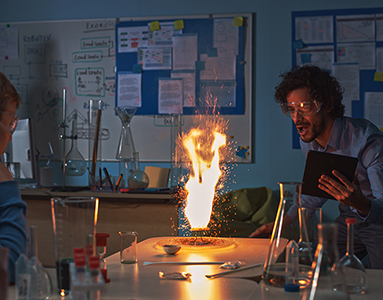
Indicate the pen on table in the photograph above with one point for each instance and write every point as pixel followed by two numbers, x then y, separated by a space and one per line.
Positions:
pixel 108 178
pixel 118 182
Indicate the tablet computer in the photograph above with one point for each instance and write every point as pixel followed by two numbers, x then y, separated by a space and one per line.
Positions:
pixel 318 163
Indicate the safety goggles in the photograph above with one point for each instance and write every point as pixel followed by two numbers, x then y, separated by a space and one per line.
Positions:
pixel 12 124
pixel 305 108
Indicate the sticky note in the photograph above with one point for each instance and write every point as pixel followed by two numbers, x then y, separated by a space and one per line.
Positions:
pixel 200 65
pixel 238 21
pixel 298 44
pixel 155 26
pixel 378 76
pixel 179 24
pixel 241 152
pixel 305 58
pixel 137 68
pixel 212 52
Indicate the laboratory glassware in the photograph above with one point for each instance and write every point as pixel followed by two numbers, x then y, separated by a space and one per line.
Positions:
pixel 304 245
pixel 137 179
pixel 75 164
pixel 126 147
pixel 74 221
pixel 328 282
pixel 274 268
pixel 128 247
pixel 32 280
pixel 292 267
pixel 101 243
pixel 356 277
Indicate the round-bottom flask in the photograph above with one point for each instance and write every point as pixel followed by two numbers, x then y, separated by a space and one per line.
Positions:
pixel 75 164
pixel 137 179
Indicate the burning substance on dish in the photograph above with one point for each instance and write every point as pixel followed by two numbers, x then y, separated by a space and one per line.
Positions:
pixel 204 148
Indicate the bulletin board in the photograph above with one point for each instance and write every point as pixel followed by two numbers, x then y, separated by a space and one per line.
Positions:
pixel 42 59
pixel 349 43
pixel 161 49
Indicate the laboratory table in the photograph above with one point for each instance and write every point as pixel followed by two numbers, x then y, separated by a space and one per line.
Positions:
pixel 139 281
pixel 150 214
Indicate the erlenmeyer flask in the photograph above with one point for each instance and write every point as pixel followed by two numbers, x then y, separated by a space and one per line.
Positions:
pixel 327 282
pixel 356 277
pixel 274 268
pixel 75 164
pixel 126 147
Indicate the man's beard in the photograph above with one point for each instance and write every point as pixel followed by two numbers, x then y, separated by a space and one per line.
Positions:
pixel 315 130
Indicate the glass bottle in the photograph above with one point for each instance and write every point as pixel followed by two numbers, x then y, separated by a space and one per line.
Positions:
pixel 327 281
pixel 75 164
pixel 274 268
pixel 356 277
pixel 40 285
pixel 137 179
pixel 126 147
pixel 22 277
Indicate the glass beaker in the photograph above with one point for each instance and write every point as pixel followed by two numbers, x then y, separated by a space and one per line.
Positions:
pixel 274 268
pixel 128 247
pixel 95 137
pixel 74 221
pixel 327 282
pixel 75 164
pixel 126 147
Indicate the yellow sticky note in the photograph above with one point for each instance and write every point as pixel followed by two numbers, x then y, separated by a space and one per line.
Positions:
pixel 179 24
pixel 155 26
pixel 238 21
pixel 378 76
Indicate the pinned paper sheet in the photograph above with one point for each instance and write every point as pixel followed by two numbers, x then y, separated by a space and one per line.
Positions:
pixel 238 21
pixel 155 26
pixel 378 76
pixel 179 24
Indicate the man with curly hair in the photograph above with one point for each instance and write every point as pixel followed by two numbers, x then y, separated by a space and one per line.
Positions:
pixel 313 99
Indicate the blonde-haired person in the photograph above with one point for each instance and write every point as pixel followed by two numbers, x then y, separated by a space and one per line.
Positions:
pixel 13 232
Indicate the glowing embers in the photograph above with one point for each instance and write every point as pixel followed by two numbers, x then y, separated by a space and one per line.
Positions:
pixel 197 243
pixel 203 149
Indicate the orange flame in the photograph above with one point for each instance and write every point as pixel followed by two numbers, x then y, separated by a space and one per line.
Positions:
pixel 204 176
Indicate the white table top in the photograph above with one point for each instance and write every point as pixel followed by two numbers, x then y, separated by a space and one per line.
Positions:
pixel 143 282
pixel 137 281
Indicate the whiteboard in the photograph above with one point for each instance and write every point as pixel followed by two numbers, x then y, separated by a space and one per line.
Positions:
pixel 79 56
